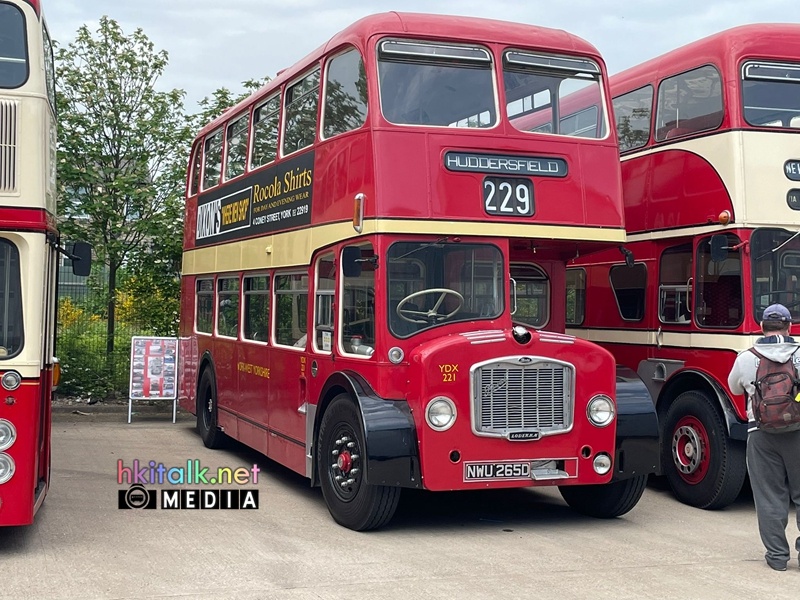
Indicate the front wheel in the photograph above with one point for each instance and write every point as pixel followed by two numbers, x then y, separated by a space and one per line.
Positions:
pixel 703 466
pixel 340 465
pixel 605 501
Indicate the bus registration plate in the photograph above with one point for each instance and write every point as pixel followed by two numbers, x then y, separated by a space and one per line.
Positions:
pixel 496 471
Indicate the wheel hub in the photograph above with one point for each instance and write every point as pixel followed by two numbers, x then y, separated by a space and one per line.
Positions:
pixel 687 449
pixel 345 469
pixel 344 462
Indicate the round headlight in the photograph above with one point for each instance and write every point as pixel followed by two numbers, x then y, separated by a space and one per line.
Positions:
pixel 11 380
pixel 8 434
pixel 600 410
pixel 602 464
pixel 441 413
pixel 6 467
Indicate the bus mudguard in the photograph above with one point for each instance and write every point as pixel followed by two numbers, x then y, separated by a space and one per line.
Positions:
pixel 637 449
pixel 388 428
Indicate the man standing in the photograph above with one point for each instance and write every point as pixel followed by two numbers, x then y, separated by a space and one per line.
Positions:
pixel 773 458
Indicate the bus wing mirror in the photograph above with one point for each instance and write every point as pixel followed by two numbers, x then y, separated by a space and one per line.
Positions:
pixel 351 261
pixel 81 259
pixel 719 248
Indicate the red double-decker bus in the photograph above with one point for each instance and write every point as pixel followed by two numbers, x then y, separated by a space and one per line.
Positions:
pixel 29 248
pixel 374 271
pixel 711 182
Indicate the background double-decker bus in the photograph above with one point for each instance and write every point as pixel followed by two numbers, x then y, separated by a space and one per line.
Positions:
pixel 28 258
pixel 374 271
pixel 710 157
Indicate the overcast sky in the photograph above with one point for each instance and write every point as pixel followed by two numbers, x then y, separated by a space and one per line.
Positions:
pixel 215 43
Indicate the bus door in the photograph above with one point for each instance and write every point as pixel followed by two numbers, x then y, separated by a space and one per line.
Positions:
pixel 288 366
pixel 673 325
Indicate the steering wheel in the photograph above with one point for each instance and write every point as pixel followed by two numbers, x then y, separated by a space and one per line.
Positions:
pixel 792 292
pixel 432 315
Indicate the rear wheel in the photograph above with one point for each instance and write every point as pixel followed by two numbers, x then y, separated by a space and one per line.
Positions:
pixel 605 501
pixel 340 465
pixel 704 467
pixel 207 423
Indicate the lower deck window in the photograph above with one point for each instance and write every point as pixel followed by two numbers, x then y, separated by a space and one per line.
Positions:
pixel 10 300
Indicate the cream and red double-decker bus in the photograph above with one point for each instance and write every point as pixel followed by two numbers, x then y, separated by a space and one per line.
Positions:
pixel 374 270
pixel 29 248
pixel 710 148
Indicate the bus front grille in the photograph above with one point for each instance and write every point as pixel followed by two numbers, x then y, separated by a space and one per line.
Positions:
pixel 8 146
pixel 519 394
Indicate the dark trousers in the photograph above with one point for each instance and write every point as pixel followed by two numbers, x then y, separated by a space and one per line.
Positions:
pixel 773 463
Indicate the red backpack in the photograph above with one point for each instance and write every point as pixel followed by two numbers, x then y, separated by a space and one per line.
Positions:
pixel 776 402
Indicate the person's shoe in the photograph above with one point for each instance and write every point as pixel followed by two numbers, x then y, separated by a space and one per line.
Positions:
pixel 778 567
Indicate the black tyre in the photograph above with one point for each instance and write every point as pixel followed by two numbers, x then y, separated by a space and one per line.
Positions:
pixel 340 465
pixel 207 424
pixel 605 501
pixel 703 466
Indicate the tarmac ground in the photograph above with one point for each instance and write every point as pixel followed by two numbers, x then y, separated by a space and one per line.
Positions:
pixel 522 543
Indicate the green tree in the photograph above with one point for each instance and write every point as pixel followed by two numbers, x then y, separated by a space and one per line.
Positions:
pixel 122 155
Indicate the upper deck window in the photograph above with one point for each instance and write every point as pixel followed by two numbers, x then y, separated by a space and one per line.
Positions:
pixel 236 157
pixel 301 102
pixel 265 132
pixel 554 94
pixel 771 94
pixel 13 49
pixel 425 83
pixel 632 112
pixel 10 301
pixel 688 103
pixel 212 161
pixel 345 94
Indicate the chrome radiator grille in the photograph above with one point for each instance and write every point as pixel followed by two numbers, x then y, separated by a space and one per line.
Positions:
pixel 516 394
pixel 8 146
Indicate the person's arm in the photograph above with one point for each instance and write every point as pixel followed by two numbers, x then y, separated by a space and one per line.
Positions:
pixel 735 376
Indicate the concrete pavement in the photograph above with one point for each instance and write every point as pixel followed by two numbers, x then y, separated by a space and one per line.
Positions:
pixel 506 544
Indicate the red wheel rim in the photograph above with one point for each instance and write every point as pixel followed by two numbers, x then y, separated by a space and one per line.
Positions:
pixel 691 449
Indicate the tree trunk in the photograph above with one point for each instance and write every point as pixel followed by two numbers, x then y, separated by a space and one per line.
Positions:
pixel 112 304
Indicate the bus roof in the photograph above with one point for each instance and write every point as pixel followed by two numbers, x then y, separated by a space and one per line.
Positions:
pixel 726 48
pixel 427 26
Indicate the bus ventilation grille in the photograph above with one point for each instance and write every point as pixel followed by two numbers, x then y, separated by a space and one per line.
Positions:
pixel 8 146
pixel 536 396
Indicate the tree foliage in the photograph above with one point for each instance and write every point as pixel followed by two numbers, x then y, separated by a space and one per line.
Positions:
pixel 122 153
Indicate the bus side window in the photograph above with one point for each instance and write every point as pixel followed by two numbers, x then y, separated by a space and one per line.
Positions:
pixel 345 106
pixel 197 169
pixel 212 159
pixel 228 315
pixel 358 306
pixel 291 308
pixel 323 307
pixel 256 308
pixel 236 157
pixel 265 132
pixel 629 284
pixel 204 311
pixel 675 285
pixel 576 296
pixel 301 113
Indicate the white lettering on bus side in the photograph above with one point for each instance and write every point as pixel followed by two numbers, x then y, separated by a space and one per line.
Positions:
pixel 209 219
pixel 502 164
